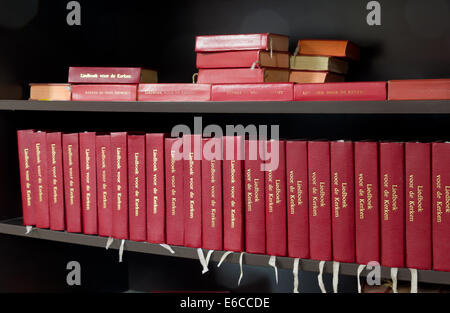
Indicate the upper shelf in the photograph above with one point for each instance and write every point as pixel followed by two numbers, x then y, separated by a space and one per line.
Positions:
pixel 287 107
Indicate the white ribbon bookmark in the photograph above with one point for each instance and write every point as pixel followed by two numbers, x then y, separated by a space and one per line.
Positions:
pixel 240 265
pixel 224 256
pixel 295 273
pixel 254 65
pixel 167 247
pixel 360 269
pixel 320 277
pixel 273 263
pixel 394 272
pixel 109 242
pixel 121 250
pixel 204 261
pixel 194 77
pixel 270 43
pixel 413 280
pixel 335 276
pixel 28 229
pixel 297 49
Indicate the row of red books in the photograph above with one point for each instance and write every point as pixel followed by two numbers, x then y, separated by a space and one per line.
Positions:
pixel 341 200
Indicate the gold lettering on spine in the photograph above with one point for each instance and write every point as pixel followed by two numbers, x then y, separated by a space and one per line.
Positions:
pixel 88 179
pixel 233 193
pixel 173 210
pixel 71 178
pixel 155 180
pixel 213 193
pixel 119 178
pixel 136 184
pixel 315 198
pixel 191 186
pixel 27 176
pixel 54 175
pixel 336 191
pixel 39 173
pixel 104 180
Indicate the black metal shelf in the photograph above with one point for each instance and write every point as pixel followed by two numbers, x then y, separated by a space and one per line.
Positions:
pixel 15 227
pixel 248 107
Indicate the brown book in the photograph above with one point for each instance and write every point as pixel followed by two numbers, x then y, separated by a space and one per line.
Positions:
pixel 304 77
pixel 51 92
pixel 334 48
pixel 318 63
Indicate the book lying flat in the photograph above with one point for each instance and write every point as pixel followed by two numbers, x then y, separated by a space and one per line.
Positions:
pixel 174 92
pixel 242 76
pixel 111 75
pixel 318 63
pixel 104 92
pixel 334 48
pixel 310 77
pixel 241 42
pixel 361 91
pixel 50 92
pixel 245 59
pixel 419 89
pixel 253 92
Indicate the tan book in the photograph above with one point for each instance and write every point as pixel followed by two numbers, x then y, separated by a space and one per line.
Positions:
pixel 305 77
pixel 318 63
pixel 50 92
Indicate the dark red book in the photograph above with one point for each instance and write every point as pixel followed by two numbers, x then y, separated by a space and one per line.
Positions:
pixel 418 205
pixel 242 76
pixel 419 89
pixel 212 222
pixel 255 209
pixel 56 181
pixel 349 91
pixel 241 42
pixel 275 182
pixel 392 171
pixel 24 145
pixel 111 75
pixel 297 199
pixel 342 201
pixel 104 92
pixel 192 173
pixel 367 214
pixel 72 192
pixel 253 92
pixel 320 245
pixel 441 205
pixel 88 175
pixel 174 92
pixel 119 161
pixel 242 59
pixel 233 205
pixel 104 185
pixel 136 188
pixel 174 191
pixel 156 204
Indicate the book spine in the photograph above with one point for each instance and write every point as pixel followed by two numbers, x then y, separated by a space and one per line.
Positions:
pixel 155 189
pixel 297 199
pixel 343 201
pixel 55 179
pixel 420 89
pixel 25 159
pixel 275 182
pixel 212 235
pixel 227 59
pixel 192 173
pixel 88 183
pixel 231 42
pixel 253 92
pixel 72 192
pixel 174 92
pixel 104 75
pixel 119 182
pixel 230 76
pixel 393 204
pixel 340 91
pixel 255 210
pixel 104 185
pixel 367 218
pixel 319 200
pixel 40 184
pixel 233 206
pixel 136 188
pixel 441 206
pixel 174 191
pixel 104 92
pixel 418 204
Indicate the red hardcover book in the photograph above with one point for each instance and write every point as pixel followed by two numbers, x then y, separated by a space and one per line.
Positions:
pixel 441 205
pixel 419 89
pixel 367 214
pixel 242 59
pixel 319 200
pixel 418 205
pixel 156 205
pixel 104 185
pixel 212 222
pixel 233 206
pixel 136 188
pixel 255 210
pixel 253 92
pixel 174 92
pixel 111 75
pixel 88 174
pixel 354 91
pixel 242 76
pixel 241 42
pixel 392 171
pixel 119 161
pixel 72 192
pixel 55 179
pixel 24 144
pixel 275 182
pixel 342 201
pixel 174 191
pixel 297 199
pixel 104 92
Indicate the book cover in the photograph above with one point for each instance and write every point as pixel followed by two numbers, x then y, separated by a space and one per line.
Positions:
pixel 314 77
pixel 335 48
pixel 392 171
pixel 104 92
pixel 320 244
pixel 233 42
pixel 253 92
pixel 174 92
pixel 419 89
pixel 40 179
pixel 242 76
pixel 318 63
pixel 242 59
pixel 104 185
pixel 25 147
pixel 348 91
pixel 111 75
pixel 50 92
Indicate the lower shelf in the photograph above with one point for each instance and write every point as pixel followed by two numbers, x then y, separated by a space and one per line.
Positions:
pixel 15 227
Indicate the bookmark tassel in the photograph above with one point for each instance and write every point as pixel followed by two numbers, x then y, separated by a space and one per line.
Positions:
pixel 240 265
pixel 335 276
pixel 202 259
pixel 360 269
pixel 122 243
pixel 394 272
pixel 270 43
pixel 224 256
pixel 295 273
pixel 273 263
pixel 320 277
pixel 413 280
pixel 167 247
pixel 194 78
pixel 109 242
pixel 28 229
